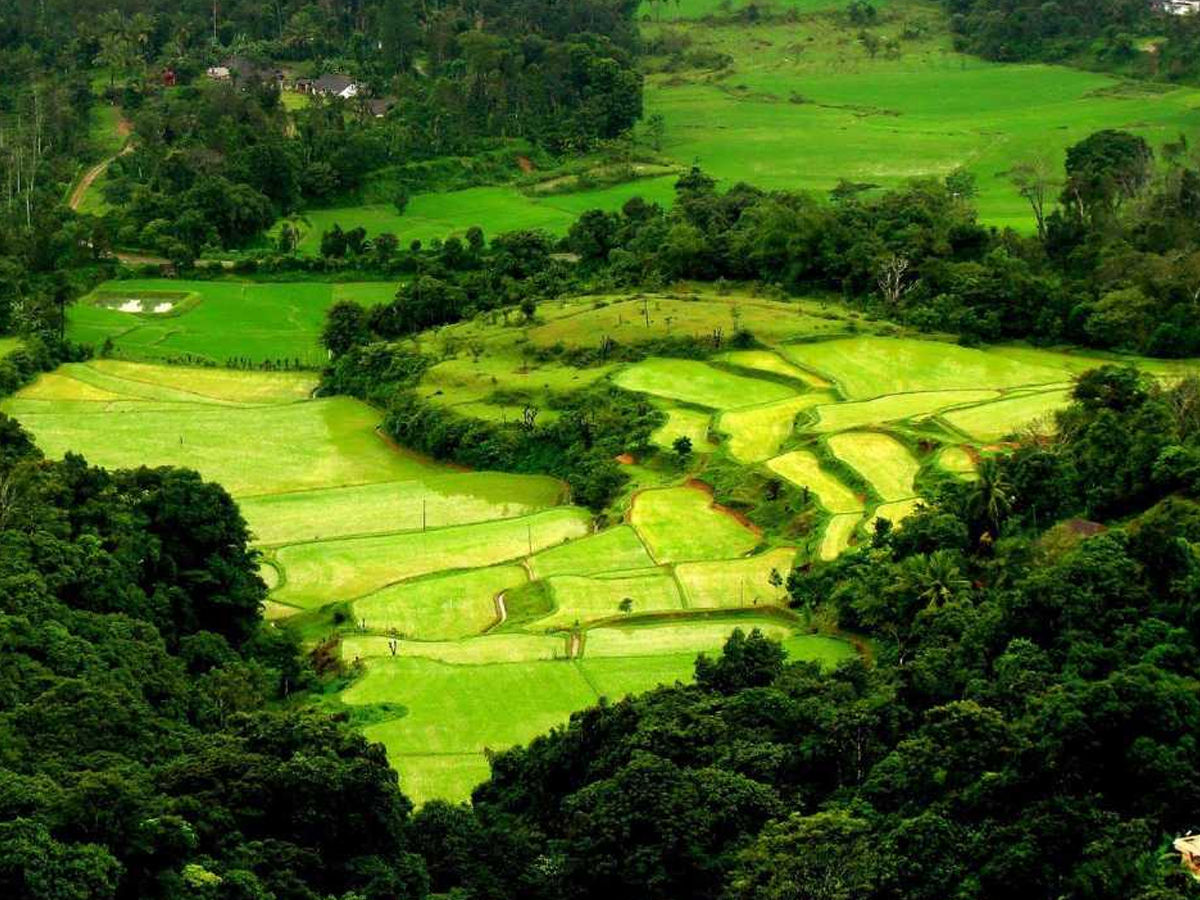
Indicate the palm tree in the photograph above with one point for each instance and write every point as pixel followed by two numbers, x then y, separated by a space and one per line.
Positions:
pixel 991 499
pixel 936 579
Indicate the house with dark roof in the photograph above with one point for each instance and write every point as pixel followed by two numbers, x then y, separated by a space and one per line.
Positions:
pixel 333 85
pixel 244 71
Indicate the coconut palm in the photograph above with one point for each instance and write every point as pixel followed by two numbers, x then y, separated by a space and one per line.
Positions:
pixel 991 499
pixel 935 579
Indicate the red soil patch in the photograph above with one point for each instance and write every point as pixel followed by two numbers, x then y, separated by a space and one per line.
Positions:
pixel 740 518
pixel 525 164
pixel 625 459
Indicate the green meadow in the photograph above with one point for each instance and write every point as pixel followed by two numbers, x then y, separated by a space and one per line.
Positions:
pixel 214 321
pixel 804 105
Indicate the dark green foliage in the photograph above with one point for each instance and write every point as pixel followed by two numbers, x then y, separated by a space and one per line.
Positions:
pixel 137 755
pixel 580 446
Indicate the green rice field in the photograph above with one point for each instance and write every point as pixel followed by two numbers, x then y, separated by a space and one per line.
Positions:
pixel 424 559
pixel 214 321
pixel 482 607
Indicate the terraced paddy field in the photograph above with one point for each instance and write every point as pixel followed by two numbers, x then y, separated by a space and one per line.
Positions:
pixel 214 321
pixel 481 606
pixel 473 595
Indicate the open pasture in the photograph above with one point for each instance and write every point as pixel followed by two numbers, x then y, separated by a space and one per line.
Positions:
pixel 587 321
pixel 250 450
pixel 495 209
pixel 838 535
pixel 804 105
pixel 895 512
pixel 956 461
pixel 684 422
pixel 321 572
pixel 892 408
pixel 220 319
pixel 440 607
pixel 773 364
pixel 481 651
pixel 653 639
pixel 682 525
pixel 434 500
pixel 881 460
pixel 697 383
pixel 803 469
pixel 468 380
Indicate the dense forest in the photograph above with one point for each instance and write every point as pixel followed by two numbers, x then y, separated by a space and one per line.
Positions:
pixel 138 758
pixel 1104 33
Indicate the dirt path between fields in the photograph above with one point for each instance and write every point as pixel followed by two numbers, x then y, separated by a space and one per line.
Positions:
pixel 124 129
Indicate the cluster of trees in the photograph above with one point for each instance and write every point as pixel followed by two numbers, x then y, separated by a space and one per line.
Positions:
pixel 1097 32
pixel 1026 727
pixel 138 754
pixel 1115 263
pixel 590 430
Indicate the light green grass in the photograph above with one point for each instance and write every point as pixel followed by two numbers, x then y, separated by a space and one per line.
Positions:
pixel 107 380
pixel 893 408
pixel 873 366
pixel 496 210
pixel 736 582
pixel 802 469
pixel 773 363
pixel 756 433
pixel 681 422
pixel 480 651
pixel 618 676
pixel 804 106
pixel 433 501
pixel 615 550
pixel 464 709
pixel 838 533
pixel 993 421
pixel 587 321
pixel 699 384
pixel 325 571
pixel 895 512
pixel 583 600
pixel 257 450
pixel 466 380
pixel 880 459
pixel 441 607
pixel 8 345
pixel 956 461
pixel 441 776
pixel 682 525
pixel 231 320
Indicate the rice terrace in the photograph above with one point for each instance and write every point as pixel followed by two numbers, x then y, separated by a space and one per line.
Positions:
pixel 484 607
pixel 577 449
